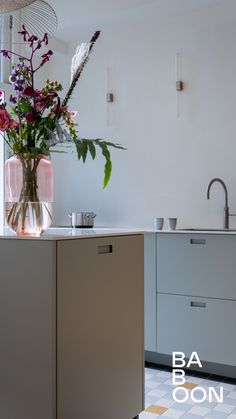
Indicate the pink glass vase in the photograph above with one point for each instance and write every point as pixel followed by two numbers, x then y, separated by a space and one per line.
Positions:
pixel 28 194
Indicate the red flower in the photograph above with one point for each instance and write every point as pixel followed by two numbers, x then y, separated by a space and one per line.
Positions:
pixel 32 39
pixel 45 100
pixel 39 45
pixel 45 57
pixel 50 95
pixel 5 120
pixel 24 32
pixel 30 92
pixel 30 117
pixel 45 39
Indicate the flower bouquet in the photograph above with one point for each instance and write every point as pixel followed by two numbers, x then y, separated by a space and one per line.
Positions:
pixel 35 121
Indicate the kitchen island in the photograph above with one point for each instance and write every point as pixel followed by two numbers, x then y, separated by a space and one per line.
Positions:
pixel 71 322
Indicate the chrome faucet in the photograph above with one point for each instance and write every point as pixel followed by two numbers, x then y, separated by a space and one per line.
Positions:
pixel 226 208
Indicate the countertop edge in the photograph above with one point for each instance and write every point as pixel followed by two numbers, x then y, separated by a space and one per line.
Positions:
pixel 61 233
pixel 80 235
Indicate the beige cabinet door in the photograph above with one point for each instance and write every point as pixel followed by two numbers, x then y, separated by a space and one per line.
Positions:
pixel 100 328
pixel 27 329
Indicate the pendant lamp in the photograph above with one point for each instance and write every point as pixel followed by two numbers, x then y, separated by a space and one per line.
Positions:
pixel 38 17
pixel 7 6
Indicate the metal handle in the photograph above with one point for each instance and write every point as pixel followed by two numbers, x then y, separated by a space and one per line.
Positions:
pixel 107 248
pixel 197 241
pixel 198 304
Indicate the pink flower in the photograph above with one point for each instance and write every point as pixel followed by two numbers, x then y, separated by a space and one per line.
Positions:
pixel 59 109
pixel 45 97
pixel 50 95
pixel 39 106
pixel 14 124
pixel 1 96
pixel 73 113
pixel 5 120
pixel 6 53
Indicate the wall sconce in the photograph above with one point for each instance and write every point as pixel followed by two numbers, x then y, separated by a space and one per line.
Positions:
pixel 179 85
pixel 109 97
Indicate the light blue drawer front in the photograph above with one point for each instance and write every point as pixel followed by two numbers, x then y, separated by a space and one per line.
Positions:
pixel 204 325
pixel 194 264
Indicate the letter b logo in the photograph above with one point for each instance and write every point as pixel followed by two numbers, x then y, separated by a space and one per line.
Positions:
pixel 178 377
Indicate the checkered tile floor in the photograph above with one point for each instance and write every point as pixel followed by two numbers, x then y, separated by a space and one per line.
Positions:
pixel 159 400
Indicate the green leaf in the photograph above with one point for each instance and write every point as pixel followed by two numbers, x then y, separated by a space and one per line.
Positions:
pixel 92 149
pixel 25 107
pixel 108 164
pixel 109 144
pixel 84 150
pixel 83 145
pixel 78 145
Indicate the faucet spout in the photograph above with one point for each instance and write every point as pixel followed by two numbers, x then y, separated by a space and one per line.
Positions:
pixel 217 179
pixel 226 208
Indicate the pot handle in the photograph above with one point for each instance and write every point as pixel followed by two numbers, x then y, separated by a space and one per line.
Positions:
pixel 70 215
pixel 94 215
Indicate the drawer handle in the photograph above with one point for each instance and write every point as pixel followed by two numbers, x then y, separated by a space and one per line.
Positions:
pixel 107 248
pixel 197 241
pixel 198 304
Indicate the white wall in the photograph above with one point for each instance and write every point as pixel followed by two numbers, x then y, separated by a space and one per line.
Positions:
pixel 169 161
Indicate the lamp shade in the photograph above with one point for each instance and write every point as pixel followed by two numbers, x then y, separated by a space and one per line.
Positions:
pixel 7 6
pixel 38 18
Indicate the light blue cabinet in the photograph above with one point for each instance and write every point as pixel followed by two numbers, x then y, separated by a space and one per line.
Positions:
pixel 195 299
pixel 194 264
pixel 150 291
pixel 202 325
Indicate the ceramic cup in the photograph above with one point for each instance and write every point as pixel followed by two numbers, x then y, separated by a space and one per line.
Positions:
pixel 158 223
pixel 172 223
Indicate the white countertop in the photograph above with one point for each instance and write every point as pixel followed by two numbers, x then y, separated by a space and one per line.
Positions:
pixel 62 233
pixel 193 231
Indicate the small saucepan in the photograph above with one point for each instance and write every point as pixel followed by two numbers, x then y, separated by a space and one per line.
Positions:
pixel 82 219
